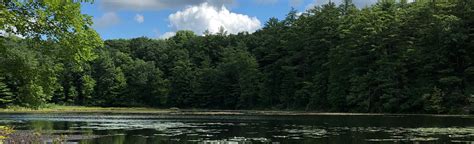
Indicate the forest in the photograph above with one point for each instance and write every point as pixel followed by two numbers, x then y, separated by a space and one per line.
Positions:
pixel 391 57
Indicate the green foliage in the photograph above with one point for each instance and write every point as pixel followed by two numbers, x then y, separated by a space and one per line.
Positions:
pixel 145 84
pixel 6 96
pixel 182 80
pixel 392 57
pixel 238 79
pixel 110 81
pixel 433 101
pixel 32 74
pixel 53 34
pixel 57 21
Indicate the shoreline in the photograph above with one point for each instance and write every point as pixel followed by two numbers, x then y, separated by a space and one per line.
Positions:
pixel 211 112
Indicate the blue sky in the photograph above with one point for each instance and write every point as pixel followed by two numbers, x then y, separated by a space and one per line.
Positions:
pixel 115 19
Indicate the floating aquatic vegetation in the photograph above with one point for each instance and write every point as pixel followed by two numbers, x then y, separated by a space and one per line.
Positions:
pixel 236 140
pixel 455 131
pixel 240 132
pixel 5 131
pixel 418 139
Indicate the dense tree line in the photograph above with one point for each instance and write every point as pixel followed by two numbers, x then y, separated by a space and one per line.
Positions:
pixel 393 57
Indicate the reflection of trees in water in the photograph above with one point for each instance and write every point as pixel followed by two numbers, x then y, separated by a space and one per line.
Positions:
pixel 139 129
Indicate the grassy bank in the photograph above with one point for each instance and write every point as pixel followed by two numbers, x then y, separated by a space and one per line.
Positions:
pixel 175 111
pixel 63 109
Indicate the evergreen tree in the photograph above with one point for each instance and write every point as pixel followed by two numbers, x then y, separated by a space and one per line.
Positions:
pixel 6 95
pixel 110 81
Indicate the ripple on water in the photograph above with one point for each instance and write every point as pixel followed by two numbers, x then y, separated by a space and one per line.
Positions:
pixel 394 133
pixel 224 132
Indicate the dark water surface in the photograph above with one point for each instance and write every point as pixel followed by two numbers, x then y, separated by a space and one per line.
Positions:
pixel 218 129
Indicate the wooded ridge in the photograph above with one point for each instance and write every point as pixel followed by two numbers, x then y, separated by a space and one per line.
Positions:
pixel 392 57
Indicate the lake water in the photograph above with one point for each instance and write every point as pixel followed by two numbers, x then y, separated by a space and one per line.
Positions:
pixel 218 129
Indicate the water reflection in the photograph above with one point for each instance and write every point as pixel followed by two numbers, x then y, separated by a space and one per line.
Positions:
pixel 137 129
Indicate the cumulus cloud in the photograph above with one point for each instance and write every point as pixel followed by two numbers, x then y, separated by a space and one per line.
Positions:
pixel 139 18
pixel 204 17
pixel 139 5
pixel 167 35
pixel 107 19
pixel 358 3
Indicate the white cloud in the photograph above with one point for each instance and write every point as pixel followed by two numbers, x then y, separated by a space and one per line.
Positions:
pixel 299 14
pixel 206 17
pixel 266 2
pixel 139 5
pixel 107 19
pixel 139 18
pixel 167 35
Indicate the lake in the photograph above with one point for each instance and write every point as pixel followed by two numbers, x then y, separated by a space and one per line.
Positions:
pixel 111 128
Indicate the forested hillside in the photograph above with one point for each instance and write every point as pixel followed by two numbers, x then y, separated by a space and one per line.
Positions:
pixel 387 58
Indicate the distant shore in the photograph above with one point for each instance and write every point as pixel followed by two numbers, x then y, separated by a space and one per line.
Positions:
pixel 176 111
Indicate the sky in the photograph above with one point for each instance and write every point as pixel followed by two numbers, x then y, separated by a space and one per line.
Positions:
pixel 114 19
